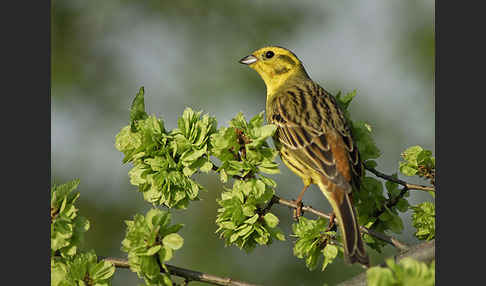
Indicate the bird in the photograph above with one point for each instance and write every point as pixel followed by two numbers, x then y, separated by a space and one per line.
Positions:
pixel 313 138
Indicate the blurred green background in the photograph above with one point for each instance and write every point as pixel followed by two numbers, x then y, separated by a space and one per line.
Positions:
pixel 185 53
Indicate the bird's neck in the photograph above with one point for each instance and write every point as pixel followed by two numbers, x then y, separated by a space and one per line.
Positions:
pixel 276 84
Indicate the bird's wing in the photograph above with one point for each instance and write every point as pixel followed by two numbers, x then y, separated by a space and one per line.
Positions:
pixel 314 130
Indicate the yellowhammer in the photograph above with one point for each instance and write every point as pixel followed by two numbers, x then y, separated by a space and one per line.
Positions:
pixel 313 138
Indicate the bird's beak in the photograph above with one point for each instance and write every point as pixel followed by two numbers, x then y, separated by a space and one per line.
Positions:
pixel 248 60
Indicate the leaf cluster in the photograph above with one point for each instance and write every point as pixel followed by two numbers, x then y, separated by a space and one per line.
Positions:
pixel 242 148
pixel 423 219
pixel 407 272
pixel 378 212
pixel 314 242
pixel 150 241
pixel 83 269
pixel 67 227
pixel 241 220
pixel 68 265
pixel 164 161
pixel 418 161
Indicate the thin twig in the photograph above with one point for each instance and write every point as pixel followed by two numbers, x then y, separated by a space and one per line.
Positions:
pixel 401 182
pixel 189 275
pixel 391 240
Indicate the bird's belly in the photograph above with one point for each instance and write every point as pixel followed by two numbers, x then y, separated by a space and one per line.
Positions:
pixel 298 167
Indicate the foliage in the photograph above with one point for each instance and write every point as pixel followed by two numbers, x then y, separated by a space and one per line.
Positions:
pixel 242 147
pixel 68 265
pixel 82 269
pixel 244 153
pixel 375 211
pixel 67 228
pixel 423 219
pixel 164 161
pixel 407 272
pixel 150 240
pixel 241 220
pixel 418 161
pixel 313 241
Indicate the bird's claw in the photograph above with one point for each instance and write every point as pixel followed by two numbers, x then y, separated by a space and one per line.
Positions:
pixel 298 212
pixel 332 224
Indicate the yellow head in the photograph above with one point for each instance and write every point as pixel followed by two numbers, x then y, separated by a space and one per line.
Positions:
pixel 275 65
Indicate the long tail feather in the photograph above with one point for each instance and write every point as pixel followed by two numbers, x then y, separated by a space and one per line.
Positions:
pixel 354 250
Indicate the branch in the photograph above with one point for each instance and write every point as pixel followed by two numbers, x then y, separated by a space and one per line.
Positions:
pixel 189 275
pixel 391 202
pixel 400 182
pixel 391 240
pixel 424 252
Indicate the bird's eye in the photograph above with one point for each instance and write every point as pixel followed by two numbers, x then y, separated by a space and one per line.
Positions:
pixel 269 54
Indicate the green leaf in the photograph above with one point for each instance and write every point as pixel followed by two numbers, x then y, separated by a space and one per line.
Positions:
pixel 407 272
pixel 345 100
pixel 141 243
pixel 173 241
pixel 423 219
pixel 378 276
pixel 149 267
pixel 137 110
pixel 370 164
pixel 407 170
pixel 67 228
pixel 61 192
pixel 311 242
pixel 223 177
pixel 330 252
pixel 165 254
pixel 392 187
pixel 396 223
pixel 366 145
pixel 271 220
pixel 268 181
pixel 253 219
pixel 103 270
pixel 265 132
pixel 239 222
pixel 411 153
pixel 59 272
pixel 418 161
pixel 402 205
pixel 206 167
pixel 153 250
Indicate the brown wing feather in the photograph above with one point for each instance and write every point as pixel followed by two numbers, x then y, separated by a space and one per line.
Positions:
pixel 318 136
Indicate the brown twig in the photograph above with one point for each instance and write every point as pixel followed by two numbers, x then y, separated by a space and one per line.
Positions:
pixel 391 240
pixel 401 182
pixel 189 275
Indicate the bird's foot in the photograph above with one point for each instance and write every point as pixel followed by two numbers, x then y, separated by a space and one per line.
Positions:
pixel 298 211
pixel 332 224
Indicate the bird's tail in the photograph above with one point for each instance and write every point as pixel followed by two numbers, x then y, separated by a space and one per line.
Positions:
pixel 345 213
